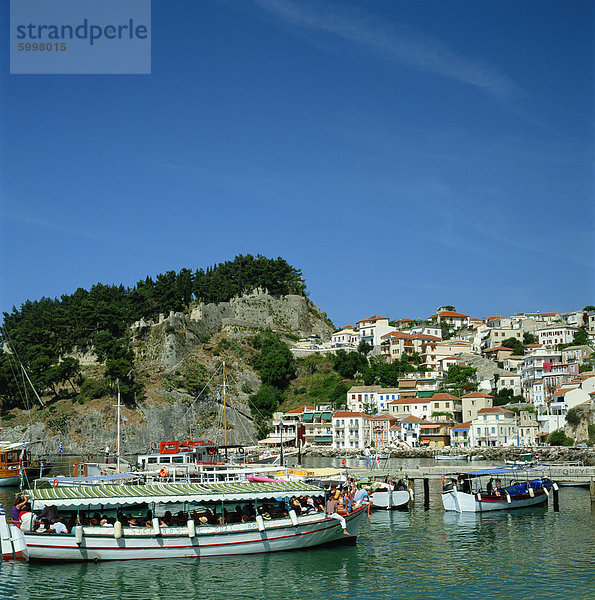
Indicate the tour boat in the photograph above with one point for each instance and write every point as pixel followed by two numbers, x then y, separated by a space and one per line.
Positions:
pixel 494 489
pixel 16 462
pixel 274 525
pixel 196 461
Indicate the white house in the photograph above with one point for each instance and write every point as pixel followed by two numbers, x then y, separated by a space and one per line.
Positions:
pixel 348 336
pixel 552 336
pixel 418 407
pixel 473 402
pixel 351 430
pixel 373 328
pixel 494 427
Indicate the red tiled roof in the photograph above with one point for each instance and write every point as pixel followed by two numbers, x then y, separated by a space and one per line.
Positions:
pixel 412 419
pixel 374 318
pixel 451 313
pixel 301 409
pixel 346 413
pixel 383 417
pixel 465 425
pixel 443 396
pixel 476 395
pixel 498 348
pixel 497 409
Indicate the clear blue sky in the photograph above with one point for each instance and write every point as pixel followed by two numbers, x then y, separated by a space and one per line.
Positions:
pixel 402 154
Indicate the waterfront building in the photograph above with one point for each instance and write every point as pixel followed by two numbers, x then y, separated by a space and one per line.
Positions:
pixel 459 435
pixel 494 427
pixel 318 426
pixel 410 430
pixel 370 398
pixel 435 435
pixel 351 429
pixel 380 427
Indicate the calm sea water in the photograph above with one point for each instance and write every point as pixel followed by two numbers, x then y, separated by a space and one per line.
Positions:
pixel 524 554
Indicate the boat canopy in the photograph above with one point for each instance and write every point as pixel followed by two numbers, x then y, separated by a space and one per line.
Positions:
pixel 493 471
pixel 161 493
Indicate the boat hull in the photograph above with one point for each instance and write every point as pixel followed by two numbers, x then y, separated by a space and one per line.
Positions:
pixel 389 500
pixel 10 481
pixel 455 500
pixel 209 541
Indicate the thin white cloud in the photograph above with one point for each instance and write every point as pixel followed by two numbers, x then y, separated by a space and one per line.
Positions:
pixel 400 44
pixel 18 216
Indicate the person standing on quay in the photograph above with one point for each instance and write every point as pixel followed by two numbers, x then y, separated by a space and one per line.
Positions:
pixel 368 457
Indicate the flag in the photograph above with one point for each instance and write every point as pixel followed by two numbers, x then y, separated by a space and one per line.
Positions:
pixel 378 460
pixel 61 447
pixel 218 396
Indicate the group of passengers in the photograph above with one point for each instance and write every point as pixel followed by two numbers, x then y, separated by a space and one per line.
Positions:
pixel 48 521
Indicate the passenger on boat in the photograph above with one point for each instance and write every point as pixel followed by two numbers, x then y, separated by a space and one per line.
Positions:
pixel 334 493
pixel 27 518
pixel 331 510
pixel 17 507
pixel 166 519
pixel 401 485
pixel 361 496
pixel 346 502
pixel 42 526
pixel 132 522
pixel 58 526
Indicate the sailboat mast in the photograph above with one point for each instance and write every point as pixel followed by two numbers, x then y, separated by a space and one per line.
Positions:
pixel 224 411
pixel 118 434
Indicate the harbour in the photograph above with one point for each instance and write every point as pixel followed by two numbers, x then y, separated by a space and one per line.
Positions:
pixel 424 550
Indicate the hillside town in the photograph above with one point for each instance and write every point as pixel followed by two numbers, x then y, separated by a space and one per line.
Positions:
pixel 478 382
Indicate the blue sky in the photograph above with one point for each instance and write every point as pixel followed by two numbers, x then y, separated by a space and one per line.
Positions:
pixel 402 154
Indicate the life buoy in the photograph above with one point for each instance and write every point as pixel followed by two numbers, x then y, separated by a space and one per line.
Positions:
pixel 442 481
pixel 163 472
pixel 153 445
pixel 344 461
pixel 212 451
pixel 240 450
pixel 55 483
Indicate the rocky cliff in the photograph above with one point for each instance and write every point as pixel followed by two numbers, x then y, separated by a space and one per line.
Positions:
pixel 178 359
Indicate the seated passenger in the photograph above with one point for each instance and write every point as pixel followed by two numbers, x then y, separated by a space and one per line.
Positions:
pixel 58 526
pixel 27 518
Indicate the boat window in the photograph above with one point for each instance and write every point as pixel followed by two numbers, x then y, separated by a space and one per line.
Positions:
pixel 152 459
pixel 165 459
pixel 177 459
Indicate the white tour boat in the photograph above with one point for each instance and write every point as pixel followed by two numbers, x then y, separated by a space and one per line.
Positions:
pixel 274 526
pixel 494 489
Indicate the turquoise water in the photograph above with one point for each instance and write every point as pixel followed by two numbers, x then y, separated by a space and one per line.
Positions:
pixel 528 553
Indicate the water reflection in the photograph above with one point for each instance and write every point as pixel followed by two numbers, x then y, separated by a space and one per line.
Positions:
pixel 526 553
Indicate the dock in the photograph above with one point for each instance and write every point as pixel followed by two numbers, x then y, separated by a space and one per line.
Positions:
pixel 563 474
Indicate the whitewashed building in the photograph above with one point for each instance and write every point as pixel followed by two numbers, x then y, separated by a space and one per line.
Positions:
pixel 351 430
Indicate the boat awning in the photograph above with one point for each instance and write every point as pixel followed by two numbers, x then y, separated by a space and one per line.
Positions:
pixel 161 493
pixel 493 471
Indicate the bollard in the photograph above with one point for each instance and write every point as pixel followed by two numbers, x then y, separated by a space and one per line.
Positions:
pixel 411 492
pixel 426 493
pixel 556 500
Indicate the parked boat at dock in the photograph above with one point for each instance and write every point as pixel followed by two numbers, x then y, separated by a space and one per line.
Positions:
pixel 387 495
pixel 494 489
pixel 16 462
pixel 274 527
